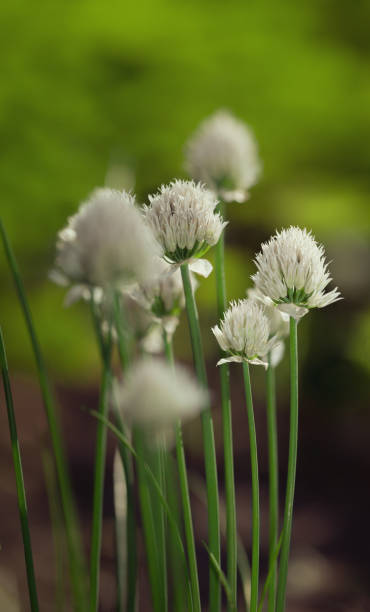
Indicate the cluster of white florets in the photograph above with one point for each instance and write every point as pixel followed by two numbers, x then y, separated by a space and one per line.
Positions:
pixel 278 324
pixel 223 154
pixel 106 243
pixel 244 333
pixel 155 397
pixel 163 297
pixel 293 273
pixel 183 219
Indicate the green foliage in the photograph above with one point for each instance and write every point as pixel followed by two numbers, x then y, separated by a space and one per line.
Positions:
pixel 86 84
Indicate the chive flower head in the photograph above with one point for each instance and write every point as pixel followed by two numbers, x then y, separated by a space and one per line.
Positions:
pixel 278 324
pixel 223 154
pixel 244 333
pixel 154 396
pixel 183 219
pixel 106 243
pixel 293 273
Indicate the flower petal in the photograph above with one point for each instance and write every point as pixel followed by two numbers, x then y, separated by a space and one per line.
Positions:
pixel 297 312
pixel 203 267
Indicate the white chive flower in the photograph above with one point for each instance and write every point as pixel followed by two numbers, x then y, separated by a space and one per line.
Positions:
pixel 183 219
pixel 278 323
pixel 154 396
pixel 106 243
pixel 163 296
pixel 142 326
pixel 244 333
pixel 293 273
pixel 223 154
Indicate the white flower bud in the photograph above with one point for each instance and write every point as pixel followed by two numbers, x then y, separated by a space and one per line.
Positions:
pixel 244 333
pixel 278 323
pixel 164 296
pixel 182 218
pixel 292 272
pixel 223 154
pixel 106 243
pixel 155 397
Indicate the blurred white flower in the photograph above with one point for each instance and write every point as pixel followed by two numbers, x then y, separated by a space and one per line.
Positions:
pixel 244 333
pixel 223 154
pixel 183 219
pixel 155 396
pixel 106 243
pixel 292 272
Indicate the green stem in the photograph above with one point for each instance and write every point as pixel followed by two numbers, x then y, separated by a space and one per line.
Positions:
pixel 185 497
pixel 168 348
pixel 74 543
pixel 176 564
pixel 120 324
pixel 158 464
pixel 208 444
pixel 21 493
pixel 99 472
pixel 149 528
pixel 292 465
pixel 56 518
pixel 131 565
pixel 231 530
pixel 273 481
pixel 131 528
pixel 255 490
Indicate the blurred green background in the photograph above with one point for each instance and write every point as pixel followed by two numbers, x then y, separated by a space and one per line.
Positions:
pixel 86 85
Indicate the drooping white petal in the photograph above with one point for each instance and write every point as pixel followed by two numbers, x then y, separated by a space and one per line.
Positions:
pixel 203 267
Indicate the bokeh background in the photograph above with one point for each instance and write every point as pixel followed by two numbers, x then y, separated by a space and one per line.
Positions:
pixel 95 93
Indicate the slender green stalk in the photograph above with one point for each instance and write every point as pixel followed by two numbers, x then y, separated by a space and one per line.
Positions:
pixel 168 348
pixel 131 566
pixel 158 460
pixel 292 466
pixel 74 542
pixel 120 530
pixel 99 472
pixel 208 444
pixel 185 497
pixel 176 564
pixel 120 325
pixel 273 481
pixel 56 518
pixel 21 493
pixel 149 527
pixel 255 490
pixel 231 537
pixel 270 574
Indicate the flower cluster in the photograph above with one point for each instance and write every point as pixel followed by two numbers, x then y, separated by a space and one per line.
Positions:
pixel 156 397
pixel 278 324
pixel 244 333
pixel 163 297
pixel 223 154
pixel 183 219
pixel 293 273
pixel 106 243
